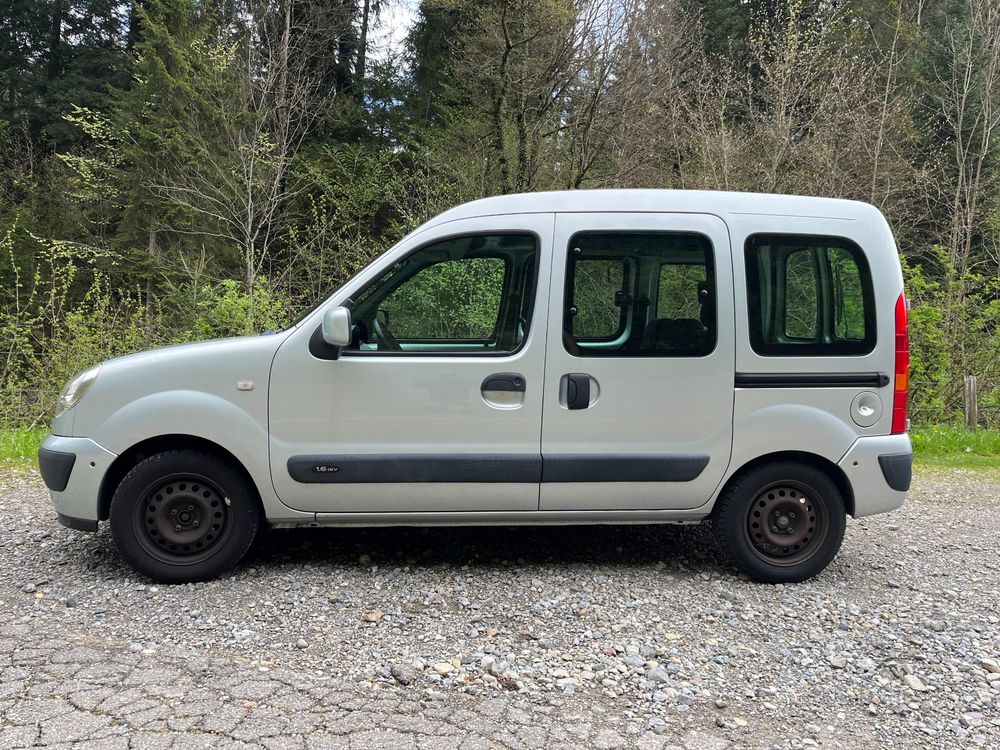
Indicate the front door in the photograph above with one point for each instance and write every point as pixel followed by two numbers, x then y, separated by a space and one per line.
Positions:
pixel 640 362
pixel 436 405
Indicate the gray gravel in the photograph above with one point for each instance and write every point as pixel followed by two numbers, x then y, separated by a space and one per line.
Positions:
pixel 508 638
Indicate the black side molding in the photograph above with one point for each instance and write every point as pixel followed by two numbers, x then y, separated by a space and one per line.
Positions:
pixel 897 468
pixel 682 467
pixel 495 468
pixel 80 524
pixel 345 469
pixel 55 467
pixel 812 380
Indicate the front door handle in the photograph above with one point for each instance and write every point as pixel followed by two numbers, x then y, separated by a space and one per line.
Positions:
pixel 577 390
pixel 512 382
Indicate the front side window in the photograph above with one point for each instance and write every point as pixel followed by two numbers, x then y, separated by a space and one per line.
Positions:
pixel 470 295
pixel 809 296
pixel 454 300
pixel 648 294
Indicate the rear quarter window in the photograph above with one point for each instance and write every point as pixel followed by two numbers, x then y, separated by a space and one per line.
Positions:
pixel 809 296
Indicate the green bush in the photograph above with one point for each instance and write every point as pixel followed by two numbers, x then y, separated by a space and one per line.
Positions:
pixel 227 309
pixel 954 332
pixel 45 353
pixel 930 356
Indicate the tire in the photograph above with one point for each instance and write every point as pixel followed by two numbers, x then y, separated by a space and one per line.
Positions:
pixel 781 522
pixel 182 516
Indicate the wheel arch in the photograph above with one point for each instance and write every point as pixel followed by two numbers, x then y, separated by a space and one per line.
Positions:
pixel 158 444
pixel 834 472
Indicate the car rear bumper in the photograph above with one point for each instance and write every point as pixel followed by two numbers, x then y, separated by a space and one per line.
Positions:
pixel 73 469
pixel 879 469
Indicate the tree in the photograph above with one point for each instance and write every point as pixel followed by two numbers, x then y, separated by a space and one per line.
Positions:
pixel 964 61
pixel 233 118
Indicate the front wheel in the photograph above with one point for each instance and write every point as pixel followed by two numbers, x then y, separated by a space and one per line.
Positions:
pixel 181 516
pixel 781 522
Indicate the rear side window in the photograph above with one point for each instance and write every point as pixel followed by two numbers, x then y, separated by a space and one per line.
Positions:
pixel 649 294
pixel 809 296
pixel 599 285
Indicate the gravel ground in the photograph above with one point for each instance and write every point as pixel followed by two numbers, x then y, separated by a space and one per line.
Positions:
pixel 508 638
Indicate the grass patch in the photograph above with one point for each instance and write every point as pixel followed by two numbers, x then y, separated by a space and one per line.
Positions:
pixel 19 448
pixel 956 447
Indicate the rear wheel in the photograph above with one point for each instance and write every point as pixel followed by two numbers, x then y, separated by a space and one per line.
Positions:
pixel 780 523
pixel 183 516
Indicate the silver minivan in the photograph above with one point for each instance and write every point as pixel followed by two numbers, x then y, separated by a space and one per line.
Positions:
pixel 584 357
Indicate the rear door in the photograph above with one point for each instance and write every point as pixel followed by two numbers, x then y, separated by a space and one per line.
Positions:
pixel 639 366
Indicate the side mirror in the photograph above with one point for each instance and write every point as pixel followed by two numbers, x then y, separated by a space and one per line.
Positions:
pixel 337 326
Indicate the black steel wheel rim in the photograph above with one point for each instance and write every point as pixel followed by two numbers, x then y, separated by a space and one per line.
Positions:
pixel 787 523
pixel 182 519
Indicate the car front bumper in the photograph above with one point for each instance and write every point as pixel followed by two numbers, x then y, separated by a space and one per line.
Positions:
pixel 73 469
pixel 879 469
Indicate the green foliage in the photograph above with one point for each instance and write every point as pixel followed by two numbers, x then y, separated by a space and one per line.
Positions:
pixel 725 23
pixel 597 283
pixel 457 299
pixel 677 294
pixel 19 446
pixel 954 331
pixel 63 318
pixel 101 326
pixel 362 200
pixel 227 309
pixel 930 356
pixel 44 74
pixel 802 293
pixel 956 447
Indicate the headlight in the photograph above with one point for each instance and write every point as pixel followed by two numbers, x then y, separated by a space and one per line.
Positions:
pixel 76 389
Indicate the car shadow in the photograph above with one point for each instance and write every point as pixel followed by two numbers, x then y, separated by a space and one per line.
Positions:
pixel 679 549
pixel 675 547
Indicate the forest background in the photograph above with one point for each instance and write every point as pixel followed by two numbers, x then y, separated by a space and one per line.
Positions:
pixel 174 170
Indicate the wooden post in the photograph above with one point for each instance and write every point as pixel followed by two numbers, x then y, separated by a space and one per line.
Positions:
pixel 971 404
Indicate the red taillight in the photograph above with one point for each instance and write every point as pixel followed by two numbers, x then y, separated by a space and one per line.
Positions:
pixel 901 381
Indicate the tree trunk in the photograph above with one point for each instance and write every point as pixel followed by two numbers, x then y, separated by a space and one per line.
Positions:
pixel 152 251
pixel 499 96
pixel 54 67
pixel 346 48
pixel 359 68
pixel 521 183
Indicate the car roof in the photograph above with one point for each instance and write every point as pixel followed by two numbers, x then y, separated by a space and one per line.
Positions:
pixel 680 201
